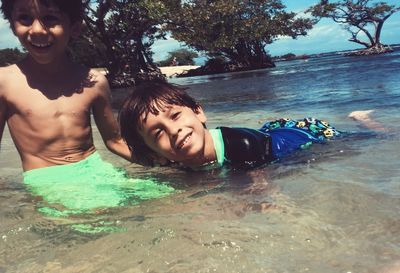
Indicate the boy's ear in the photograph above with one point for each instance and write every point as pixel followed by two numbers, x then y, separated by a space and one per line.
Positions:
pixel 201 115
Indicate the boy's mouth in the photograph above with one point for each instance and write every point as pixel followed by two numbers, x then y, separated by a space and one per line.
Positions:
pixel 40 45
pixel 183 141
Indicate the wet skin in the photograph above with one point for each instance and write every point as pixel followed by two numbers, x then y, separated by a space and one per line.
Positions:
pixel 178 134
pixel 46 100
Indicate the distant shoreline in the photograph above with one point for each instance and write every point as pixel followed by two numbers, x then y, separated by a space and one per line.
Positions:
pixel 172 71
pixel 119 94
pixel 168 71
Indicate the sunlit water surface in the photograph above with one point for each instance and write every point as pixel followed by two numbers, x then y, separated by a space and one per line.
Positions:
pixel 333 208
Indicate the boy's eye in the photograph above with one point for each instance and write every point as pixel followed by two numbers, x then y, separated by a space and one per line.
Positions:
pixel 47 20
pixel 50 20
pixel 157 133
pixel 25 19
pixel 175 115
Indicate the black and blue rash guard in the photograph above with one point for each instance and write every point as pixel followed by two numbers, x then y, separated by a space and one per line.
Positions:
pixel 247 148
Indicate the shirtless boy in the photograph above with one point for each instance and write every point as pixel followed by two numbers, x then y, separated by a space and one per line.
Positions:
pixel 46 99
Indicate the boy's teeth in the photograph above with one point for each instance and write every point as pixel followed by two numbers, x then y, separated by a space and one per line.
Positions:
pixel 184 141
pixel 40 45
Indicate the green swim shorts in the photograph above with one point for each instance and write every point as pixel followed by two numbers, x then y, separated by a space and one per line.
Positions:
pixel 89 185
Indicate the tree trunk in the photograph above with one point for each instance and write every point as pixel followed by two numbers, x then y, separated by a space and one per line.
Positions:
pixel 372 50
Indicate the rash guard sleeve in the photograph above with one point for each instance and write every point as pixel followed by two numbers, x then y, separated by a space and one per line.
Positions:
pixel 246 148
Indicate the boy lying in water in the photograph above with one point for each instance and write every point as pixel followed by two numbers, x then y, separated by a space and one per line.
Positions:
pixel 161 121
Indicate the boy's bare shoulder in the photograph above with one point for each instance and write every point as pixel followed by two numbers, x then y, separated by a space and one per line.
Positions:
pixel 8 74
pixel 99 82
pixel 98 77
pixel 8 71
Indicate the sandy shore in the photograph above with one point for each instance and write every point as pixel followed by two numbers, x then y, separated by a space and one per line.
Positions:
pixel 168 71
pixel 171 71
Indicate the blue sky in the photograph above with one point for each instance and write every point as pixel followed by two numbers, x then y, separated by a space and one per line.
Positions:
pixel 324 37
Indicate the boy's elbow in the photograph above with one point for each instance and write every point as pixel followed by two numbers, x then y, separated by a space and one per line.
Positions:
pixel 119 147
pixel 111 145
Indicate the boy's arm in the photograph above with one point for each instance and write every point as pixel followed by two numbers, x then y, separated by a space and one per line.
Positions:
pixel 3 113
pixel 106 122
pixel 3 110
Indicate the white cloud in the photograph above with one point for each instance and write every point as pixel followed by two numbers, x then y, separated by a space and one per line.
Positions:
pixel 327 35
pixel 324 37
pixel 3 23
pixel 329 31
pixel 162 47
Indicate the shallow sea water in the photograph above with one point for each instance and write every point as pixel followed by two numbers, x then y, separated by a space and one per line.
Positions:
pixel 333 208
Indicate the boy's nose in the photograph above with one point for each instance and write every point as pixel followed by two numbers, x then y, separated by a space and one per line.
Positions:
pixel 174 132
pixel 38 27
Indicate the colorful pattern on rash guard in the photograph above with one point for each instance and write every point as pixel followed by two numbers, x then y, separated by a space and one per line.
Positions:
pixel 248 148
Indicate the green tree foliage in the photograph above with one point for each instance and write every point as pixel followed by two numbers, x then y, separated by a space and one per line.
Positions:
pixel 91 54
pixel 182 56
pixel 363 18
pixel 239 30
pixel 288 56
pixel 10 56
pixel 126 30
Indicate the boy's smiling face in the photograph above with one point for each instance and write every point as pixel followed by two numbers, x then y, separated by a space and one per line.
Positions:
pixel 176 133
pixel 43 31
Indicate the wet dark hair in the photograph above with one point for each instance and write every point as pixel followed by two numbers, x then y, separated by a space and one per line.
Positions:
pixel 73 8
pixel 148 97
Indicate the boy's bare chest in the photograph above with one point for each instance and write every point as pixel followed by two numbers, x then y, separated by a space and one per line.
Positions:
pixel 33 103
